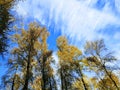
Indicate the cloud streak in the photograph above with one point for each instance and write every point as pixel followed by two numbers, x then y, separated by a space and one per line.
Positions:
pixel 77 19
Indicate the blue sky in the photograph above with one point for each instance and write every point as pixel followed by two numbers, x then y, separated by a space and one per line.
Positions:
pixel 78 20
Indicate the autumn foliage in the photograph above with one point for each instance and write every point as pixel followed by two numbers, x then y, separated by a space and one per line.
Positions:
pixel 30 66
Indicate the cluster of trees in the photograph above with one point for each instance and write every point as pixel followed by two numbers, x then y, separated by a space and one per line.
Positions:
pixel 30 66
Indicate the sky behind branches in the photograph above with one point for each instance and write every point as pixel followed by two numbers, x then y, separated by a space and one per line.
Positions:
pixel 79 20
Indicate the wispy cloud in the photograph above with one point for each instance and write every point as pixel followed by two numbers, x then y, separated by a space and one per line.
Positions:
pixel 77 19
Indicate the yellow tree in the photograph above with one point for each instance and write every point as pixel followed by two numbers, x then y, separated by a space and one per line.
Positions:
pixel 32 50
pixel 26 50
pixel 97 58
pixel 69 62
pixel 44 59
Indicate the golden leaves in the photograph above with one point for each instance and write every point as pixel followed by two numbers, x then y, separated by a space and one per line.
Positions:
pixel 17 81
pixel 107 83
pixel 78 84
pixel 62 42
pixel 37 45
pixel 67 53
pixel 36 85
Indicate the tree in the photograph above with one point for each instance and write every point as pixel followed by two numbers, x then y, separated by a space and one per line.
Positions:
pixel 26 49
pixel 45 60
pixel 33 59
pixel 98 57
pixel 6 19
pixel 69 61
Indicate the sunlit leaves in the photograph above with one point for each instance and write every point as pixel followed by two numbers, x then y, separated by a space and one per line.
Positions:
pixel 66 52
pixel 69 61
pixel 36 85
pixel 106 82
pixel 78 84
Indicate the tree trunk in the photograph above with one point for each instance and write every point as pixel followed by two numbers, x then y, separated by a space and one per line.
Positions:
pixel 62 84
pixel 27 77
pixel 111 78
pixel 13 84
pixel 65 81
pixel 43 73
pixel 50 83
pixel 85 87
pixel 28 67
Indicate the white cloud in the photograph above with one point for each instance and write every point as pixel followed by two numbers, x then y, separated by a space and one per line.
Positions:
pixel 117 5
pixel 77 19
